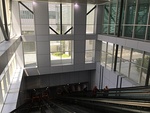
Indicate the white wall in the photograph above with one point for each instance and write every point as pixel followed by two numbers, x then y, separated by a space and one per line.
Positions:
pixel 42 39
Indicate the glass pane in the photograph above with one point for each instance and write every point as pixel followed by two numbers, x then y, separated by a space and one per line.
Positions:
pixel 113 11
pixel 89 29
pixel 119 51
pixel 146 60
pixel 106 13
pixel 105 28
pixel 65 28
pixel 142 13
pixel 89 56
pixel 56 28
pixel 118 65
pixel 29 47
pixel 126 53
pixel 124 67
pixel 30 60
pixel 135 72
pixel 128 30
pixel 140 32
pixel 56 58
pixel 90 45
pixel 104 44
pixel 66 45
pixel 29 54
pixel 109 61
pixel 148 34
pixel 66 12
pixel 130 13
pixel 54 13
pixel 103 58
pixel 110 48
pixel 55 46
pixel 1 36
pixel 143 76
pixel 111 29
pixel 27 19
pixel 90 19
pixel 137 57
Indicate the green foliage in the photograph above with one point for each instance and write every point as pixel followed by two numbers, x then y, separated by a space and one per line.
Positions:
pixel 58 54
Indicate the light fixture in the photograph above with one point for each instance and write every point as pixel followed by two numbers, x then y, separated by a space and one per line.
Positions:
pixel 76 5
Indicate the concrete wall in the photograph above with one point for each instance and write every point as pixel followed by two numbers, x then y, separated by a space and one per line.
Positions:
pixel 57 79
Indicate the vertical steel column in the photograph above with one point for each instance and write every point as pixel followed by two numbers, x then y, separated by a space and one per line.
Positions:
pixel 5 20
pixel 148 74
pixel 118 34
pixel 60 18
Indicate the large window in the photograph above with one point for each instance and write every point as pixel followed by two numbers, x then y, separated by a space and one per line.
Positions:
pixel 27 18
pixel 29 54
pixel 60 18
pixel 90 51
pixel 90 18
pixel 61 52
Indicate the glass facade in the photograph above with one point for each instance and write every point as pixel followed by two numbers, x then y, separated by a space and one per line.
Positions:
pixel 61 52
pixel 29 54
pixel 135 19
pixel 130 62
pixel 27 18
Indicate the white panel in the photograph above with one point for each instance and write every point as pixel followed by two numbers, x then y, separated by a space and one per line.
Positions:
pixel 56 69
pixel 79 37
pixel 121 41
pixel 79 58
pixel 79 29
pixel 98 45
pixel 44 70
pixel 41 29
pixel 145 46
pixel 32 71
pixel 43 60
pixel 31 38
pixel 68 68
pixel 79 67
pixel 43 38
pixel 90 66
pixel 91 36
pixel 131 44
pixel 79 46
pixel 43 48
pixel 97 56
pixel 80 14
pixel 41 12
